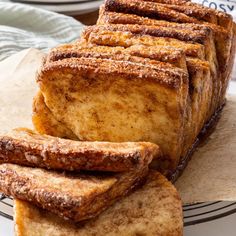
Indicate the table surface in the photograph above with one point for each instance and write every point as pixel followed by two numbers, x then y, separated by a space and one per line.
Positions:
pixel 221 227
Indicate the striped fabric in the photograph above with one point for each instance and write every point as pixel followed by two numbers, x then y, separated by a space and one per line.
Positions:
pixel 22 26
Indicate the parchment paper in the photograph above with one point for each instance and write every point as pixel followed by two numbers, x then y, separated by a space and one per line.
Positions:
pixel 209 176
pixel 211 173
pixel 17 88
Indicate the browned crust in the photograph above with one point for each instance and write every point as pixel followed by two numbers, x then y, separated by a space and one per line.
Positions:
pixel 193 11
pixel 107 55
pixel 203 37
pixel 170 77
pixel 180 11
pixel 171 55
pixel 158 53
pixel 25 147
pixel 222 31
pixel 141 54
pixel 127 39
pixel 148 9
pixel 188 35
pixel 199 11
pixel 204 14
pixel 155 53
pixel 76 197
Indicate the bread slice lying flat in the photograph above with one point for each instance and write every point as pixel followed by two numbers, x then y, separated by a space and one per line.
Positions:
pixel 25 147
pixel 153 210
pixel 73 196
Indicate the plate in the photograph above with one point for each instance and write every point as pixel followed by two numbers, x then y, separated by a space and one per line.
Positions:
pixel 200 215
pixel 77 8
pixel 52 1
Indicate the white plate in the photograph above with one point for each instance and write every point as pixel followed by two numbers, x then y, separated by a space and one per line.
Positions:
pixel 72 8
pixel 53 1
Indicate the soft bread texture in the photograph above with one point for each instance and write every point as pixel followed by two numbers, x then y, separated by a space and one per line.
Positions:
pixel 149 9
pixel 25 147
pixel 73 196
pixel 45 122
pixel 159 53
pixel 111 37
pixel 125 94
pixel 153 210
pixel 201 75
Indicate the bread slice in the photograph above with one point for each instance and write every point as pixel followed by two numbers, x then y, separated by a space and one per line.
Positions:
pixel 155 209
pixel 99 36
pixel 148 9
pixel 199 71
pixel 174 10
pixel 167 54
pixel 118 101
pixel 25 147
pixel 73 196
pixel 161 36
pixel 203 36
pixel 147 56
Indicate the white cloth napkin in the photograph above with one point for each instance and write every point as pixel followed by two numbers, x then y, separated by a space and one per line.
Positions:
pixel 23 26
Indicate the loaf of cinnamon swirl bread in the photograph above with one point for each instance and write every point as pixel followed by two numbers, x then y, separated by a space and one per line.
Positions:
pixel 150 70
